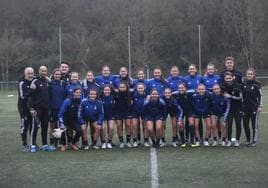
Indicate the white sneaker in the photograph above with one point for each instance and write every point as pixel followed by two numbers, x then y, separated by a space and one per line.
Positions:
pixel 254 144
pixel 135 144
pixel 103 146
pixel 121 145
pixel 86 147
pixel 206 143
pixel 174 144
pixel 223 143
pixel 146 144
pixel 214 143
pixel 95 147
pixel 109 146
pixel 229 143
pixel 197 143
pixel 162 144
pixel 236 144
pixel 129 145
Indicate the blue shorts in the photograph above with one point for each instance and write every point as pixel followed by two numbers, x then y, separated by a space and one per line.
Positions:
pixel 201 115
pixel 109 116
pixel 219 117
pixel 172 113
pixel 89 122
pixel 154 119
pixel 188 114
pixel 137 115
pixel 217 114
pixel 123 115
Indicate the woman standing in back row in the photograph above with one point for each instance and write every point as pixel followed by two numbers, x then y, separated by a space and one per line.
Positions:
pixel 252 105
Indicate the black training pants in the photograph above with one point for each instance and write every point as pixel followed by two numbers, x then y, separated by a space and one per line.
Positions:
pixel 72 125
pixel 253 116
pixel 236 114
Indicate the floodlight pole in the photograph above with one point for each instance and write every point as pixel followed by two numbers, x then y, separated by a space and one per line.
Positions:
pixel 129 53
pixel 147 72
pixel 199 48
pixel 60 59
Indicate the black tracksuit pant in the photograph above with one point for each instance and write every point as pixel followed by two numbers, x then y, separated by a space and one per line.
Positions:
pixel 72 125
pixel 236 114
pixel 253 116
pixel 43 116
pixel 25 123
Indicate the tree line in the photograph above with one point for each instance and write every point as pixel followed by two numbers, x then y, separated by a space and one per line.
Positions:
pixel 163 33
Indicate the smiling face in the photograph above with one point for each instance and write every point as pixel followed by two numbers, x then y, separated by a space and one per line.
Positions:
pixel 106 71
pixel 168 93
pixel 216 89
pixel 157 73
pixel 140 75
pixel 201 89
pixel 77 94
pixel 174 71
pixel 228 79
pixel 106 91
pixel 90 76
pixel 29 73
pixel 122 87
pixel 64 68
pixel 57 75
pixel 123 72
pixel 74 77
pixel 140 88
pixel 250 75
pixel 43 71
pixel 154 95
pixel 92 95
pixel 210 69
pixel 229 64
pixel 192 70
pixel 181 88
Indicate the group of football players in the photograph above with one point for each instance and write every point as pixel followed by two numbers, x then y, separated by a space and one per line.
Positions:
pixel 67 109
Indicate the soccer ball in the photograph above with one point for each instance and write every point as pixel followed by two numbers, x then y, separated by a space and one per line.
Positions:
pixel 57 133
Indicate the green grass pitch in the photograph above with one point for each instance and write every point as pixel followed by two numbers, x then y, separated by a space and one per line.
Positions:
pixel 188 167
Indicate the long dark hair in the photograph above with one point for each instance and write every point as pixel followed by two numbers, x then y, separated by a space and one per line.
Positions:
pixel 55 70
pixel 128 93
pixel 97 92
pixel 111 88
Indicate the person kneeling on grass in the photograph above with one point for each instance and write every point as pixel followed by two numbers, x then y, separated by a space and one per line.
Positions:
pixel 154 114
pixel 91 111
pixel 68 116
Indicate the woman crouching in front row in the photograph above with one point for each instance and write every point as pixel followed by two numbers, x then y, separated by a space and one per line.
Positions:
pixel 154 114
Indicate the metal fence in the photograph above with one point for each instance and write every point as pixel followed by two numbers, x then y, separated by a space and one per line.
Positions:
pixel 7 86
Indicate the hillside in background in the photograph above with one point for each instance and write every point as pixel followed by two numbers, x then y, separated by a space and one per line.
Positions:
pixel 163 33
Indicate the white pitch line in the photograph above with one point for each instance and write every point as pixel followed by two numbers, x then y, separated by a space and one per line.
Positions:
pixel 154 169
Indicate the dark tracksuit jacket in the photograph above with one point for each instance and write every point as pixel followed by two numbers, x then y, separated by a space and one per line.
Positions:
pixel 252 100
pixel 39 101
pixel 234 89
pixel 25 116
pixel 68 116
